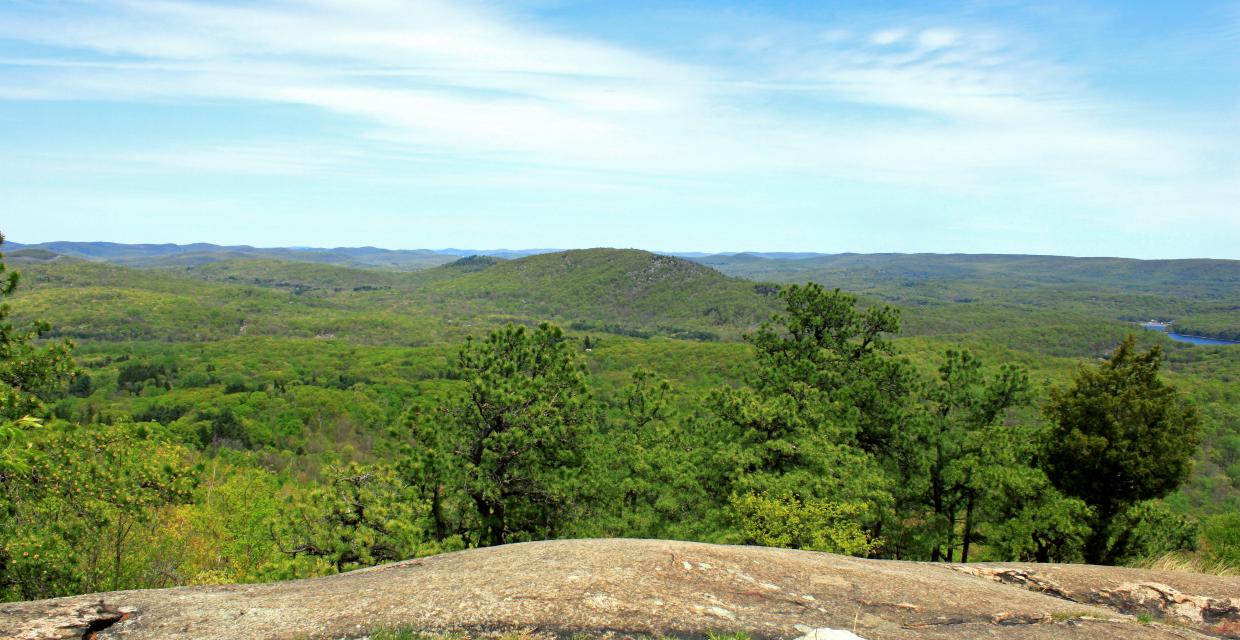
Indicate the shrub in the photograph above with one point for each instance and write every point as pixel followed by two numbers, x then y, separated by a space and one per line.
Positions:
pixel 815 525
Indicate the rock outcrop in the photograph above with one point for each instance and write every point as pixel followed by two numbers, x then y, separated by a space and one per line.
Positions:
pixel 660 588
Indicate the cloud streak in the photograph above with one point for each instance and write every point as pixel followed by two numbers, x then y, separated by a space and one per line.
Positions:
pixel 958 107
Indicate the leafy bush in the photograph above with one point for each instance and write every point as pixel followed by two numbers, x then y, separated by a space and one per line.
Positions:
pixel 1220 536
pixel 815 525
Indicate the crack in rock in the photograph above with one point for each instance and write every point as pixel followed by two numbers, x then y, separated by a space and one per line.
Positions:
pixel 1017 577
pixel 1214 615
pixel 1160 599
pixel 82 622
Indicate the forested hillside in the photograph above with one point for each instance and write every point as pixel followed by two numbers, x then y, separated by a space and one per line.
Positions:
pixel 1048 303
pixel 246 418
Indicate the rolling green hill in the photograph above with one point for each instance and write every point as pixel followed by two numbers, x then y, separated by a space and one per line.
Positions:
pixel 606 290
pixel 862 271
pixel 1034 300
pixel 620 289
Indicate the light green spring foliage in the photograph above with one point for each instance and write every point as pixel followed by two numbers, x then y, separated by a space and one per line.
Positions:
pixel 14 436
pixel 72 516
pixel 312 455
pixel 813 525
pixel 225 534
pixel 364 515
pixel 29 374
pixel 1222 540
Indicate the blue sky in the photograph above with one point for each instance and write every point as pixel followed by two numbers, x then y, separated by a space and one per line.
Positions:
pixel 1075 128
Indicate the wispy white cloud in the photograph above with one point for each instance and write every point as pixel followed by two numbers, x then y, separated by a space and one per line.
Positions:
pixel 888 36
pixel 958 107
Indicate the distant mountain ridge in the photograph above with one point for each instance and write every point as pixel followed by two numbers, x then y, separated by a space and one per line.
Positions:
pixel 138 253
pixel 159 255
pixel 141 253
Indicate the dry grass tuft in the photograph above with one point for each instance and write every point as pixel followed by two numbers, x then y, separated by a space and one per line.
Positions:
pixel 1189 563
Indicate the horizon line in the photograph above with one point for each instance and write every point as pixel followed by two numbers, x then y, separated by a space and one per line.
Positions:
pixel 464 252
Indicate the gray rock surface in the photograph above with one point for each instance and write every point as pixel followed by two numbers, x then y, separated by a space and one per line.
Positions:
pixel 662 588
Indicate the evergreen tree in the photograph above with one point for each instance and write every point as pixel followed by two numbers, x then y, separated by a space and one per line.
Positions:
pixel 1121 435
pixel 821 418
pixel 518 432
pixel 364 517
pixel 823 349
pixel 969 454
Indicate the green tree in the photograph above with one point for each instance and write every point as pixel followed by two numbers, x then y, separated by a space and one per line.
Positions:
pixel 1036 523
pixel 1221 539
pixel 1120 435
pixel 363 517
pixel 821 417
pixel 30 374
pixel 823 349
pixel 73 514
pixel 518 432
pixel 651 468
pixel 969 453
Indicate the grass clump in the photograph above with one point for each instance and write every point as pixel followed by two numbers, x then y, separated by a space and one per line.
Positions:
pixel 1189 563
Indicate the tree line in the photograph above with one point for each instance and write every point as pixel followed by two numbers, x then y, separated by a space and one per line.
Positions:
pixel 833 442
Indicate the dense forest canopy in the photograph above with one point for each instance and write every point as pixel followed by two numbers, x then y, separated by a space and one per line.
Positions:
pixel 224 415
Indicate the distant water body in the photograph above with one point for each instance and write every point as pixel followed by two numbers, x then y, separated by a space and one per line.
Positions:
pixel 1158 326
pixel 1198 340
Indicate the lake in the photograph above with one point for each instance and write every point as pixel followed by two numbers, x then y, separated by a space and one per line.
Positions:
pixel 1165 326
pixel 1196 340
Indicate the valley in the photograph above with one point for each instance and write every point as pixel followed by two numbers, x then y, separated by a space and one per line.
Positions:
pixel 271 379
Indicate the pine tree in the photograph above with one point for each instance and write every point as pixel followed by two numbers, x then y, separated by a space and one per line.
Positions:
pixel 1121 435
pixel 518 433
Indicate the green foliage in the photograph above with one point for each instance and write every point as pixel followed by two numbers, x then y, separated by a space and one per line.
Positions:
pixel 135 376
pixel 814 525
pixel 1149 530
pixel 1036 523
pixel 821 415
pixel 291 393
pixel 822 350
pixel 13 436
pixel 655 469
pixel 775 445
pixel 362 517
pixel 30 375
pixel 1120 435
pixel 224 535
pixel 1046 304
pixel 627 289
pixel 517 432
pixel 73 512
pixel 1222 324
pixel 1220 536
pixel 970 461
